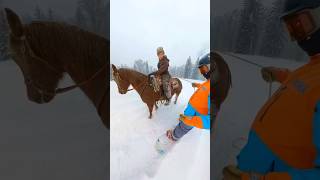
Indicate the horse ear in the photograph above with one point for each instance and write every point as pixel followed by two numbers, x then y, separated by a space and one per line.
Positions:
pixel 114 68
pixel 14 22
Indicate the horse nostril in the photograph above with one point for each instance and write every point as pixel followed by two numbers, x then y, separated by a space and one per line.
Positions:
pixel 27 81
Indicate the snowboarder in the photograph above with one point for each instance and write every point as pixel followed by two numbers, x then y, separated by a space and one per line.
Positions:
pixel 284 142
pixel 197 113
pixel 163 66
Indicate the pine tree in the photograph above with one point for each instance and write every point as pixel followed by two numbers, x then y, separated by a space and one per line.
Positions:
pixel 195 71
pixel 250 20
pixel 50 15
pixel 95 14
pixel 38 14
pixel 188 68
pixel 274 37
pixel 147 68
pixel 4 33
pixel 80 18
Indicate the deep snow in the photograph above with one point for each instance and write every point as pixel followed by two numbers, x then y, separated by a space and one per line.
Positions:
pixel 133 135
pixel 61 140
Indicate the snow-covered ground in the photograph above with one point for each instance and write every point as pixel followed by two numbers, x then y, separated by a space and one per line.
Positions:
pixel 246 97
pixel 61 140
pixel 133 135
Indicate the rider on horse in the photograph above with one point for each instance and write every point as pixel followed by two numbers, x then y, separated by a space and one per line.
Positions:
pixel 163 72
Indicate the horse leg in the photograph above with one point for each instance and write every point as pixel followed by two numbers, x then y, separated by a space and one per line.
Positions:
pixel 150 106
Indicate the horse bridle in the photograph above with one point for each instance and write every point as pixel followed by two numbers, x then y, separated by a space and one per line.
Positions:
pixel 34 85
pixel 117 78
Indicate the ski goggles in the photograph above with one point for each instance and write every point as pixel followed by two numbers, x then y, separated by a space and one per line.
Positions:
pixel 303 24
pixel 204 68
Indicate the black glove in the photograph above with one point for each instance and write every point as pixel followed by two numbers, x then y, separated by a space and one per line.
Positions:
pixel 267 74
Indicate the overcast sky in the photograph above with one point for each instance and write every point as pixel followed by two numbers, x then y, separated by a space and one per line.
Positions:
pixel 64 8
pixel 138 27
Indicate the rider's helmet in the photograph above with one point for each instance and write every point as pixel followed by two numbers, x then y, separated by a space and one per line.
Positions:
pixel 302 19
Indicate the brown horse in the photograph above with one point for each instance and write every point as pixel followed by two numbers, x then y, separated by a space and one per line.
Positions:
pixel 125 77
pixel 44 51
pixel 222 80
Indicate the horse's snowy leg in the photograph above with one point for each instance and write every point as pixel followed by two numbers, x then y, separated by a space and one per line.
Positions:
pixel 150 106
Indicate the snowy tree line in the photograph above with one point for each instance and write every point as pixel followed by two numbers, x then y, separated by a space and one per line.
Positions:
pixel 188 71
pixel 255 29
pixel 91 15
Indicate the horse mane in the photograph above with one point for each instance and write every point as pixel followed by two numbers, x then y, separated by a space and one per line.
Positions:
pixel 50 40
pixel 132 71
pixel 222 65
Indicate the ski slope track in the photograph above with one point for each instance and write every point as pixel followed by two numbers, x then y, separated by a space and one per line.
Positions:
pixel 133 135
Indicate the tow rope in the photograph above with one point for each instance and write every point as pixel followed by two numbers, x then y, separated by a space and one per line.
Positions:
pixel 251 63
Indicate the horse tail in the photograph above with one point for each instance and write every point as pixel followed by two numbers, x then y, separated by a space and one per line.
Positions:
pixel 15 24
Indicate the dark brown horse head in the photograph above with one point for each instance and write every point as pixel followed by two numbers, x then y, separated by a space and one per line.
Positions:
pixel 41 76
pixel 120 79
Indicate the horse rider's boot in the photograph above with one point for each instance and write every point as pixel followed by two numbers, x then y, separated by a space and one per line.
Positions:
pixel 168 96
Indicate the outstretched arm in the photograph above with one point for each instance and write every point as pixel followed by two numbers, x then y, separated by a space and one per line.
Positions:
pixel 275 74
pixel 202 121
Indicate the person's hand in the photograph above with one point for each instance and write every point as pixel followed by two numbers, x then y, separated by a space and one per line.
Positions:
pixel 183 117
pixel 267 74
pixel 195 85
pixel 231 172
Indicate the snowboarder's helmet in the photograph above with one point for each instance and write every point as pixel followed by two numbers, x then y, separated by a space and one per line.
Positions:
pixel 204 61
pixel 302 18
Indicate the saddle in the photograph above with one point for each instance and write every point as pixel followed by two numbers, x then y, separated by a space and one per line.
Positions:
pixel 157 85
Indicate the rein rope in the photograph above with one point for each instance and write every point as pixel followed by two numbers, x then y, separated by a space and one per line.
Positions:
pixel 254 64
pixel 52 68
pixel 117 78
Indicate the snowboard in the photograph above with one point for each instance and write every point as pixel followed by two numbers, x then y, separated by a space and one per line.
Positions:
pixel 163 144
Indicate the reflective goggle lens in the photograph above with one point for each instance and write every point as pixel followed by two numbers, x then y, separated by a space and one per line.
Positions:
pixel 300 25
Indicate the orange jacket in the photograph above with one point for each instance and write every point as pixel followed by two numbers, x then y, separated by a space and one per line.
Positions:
pixel 198 109
pixel 285 122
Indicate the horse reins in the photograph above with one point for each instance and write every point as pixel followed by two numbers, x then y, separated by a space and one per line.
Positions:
pixel 117 77
pixel 254 64
pixel 58 90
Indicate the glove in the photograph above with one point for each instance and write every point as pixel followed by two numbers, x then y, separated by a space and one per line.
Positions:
pixel 195 85
pixel 183 117
pixel 231 172
pixel 267 74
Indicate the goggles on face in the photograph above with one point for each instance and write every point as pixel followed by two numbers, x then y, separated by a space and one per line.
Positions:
pixel 303 24
pixel 204 68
